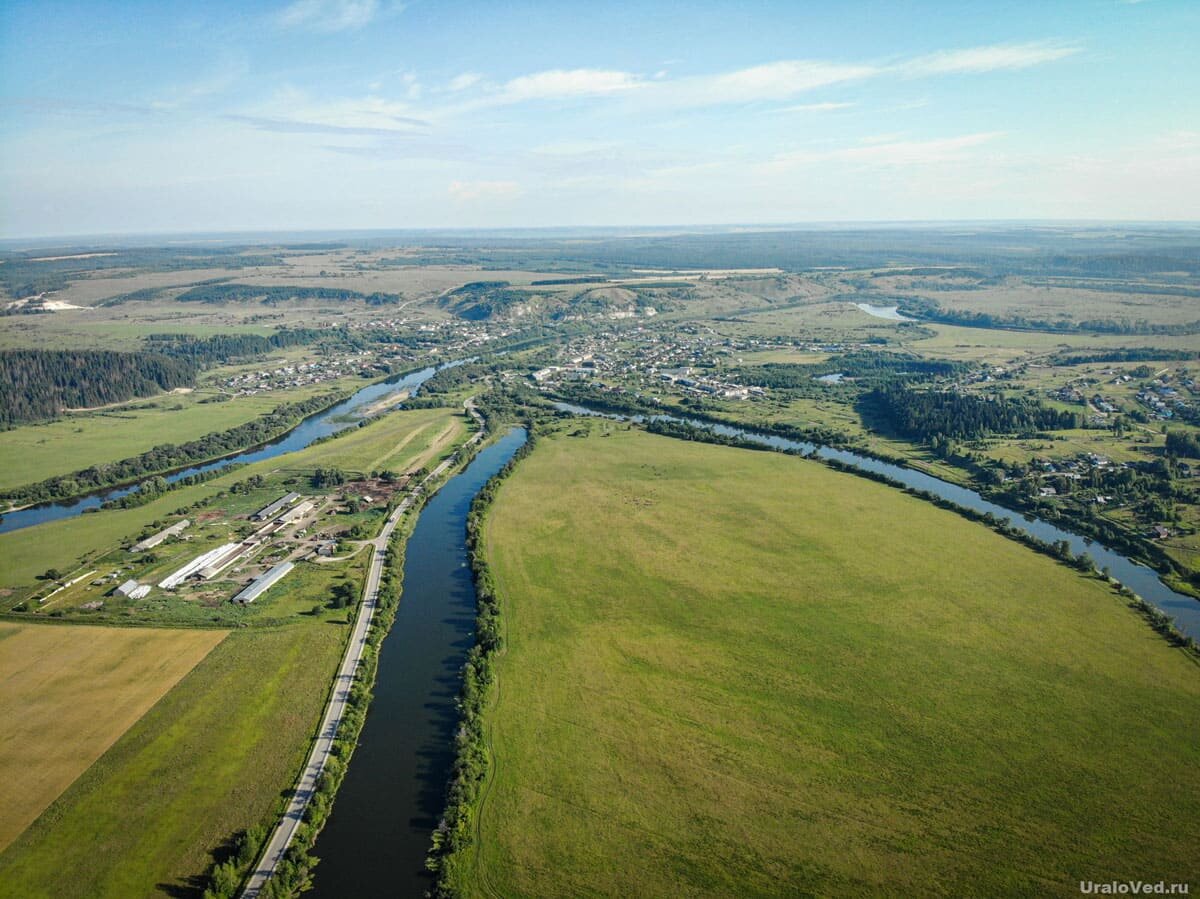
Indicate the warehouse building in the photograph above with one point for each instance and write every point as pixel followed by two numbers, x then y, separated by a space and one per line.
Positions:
pixel 153 541
pixel 259 585
pixel 276 507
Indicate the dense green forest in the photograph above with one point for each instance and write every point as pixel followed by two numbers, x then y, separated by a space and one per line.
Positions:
pixel 233 293
pixel 204 351
pixel 866 365
pixel 935 415
pixel 1132 354
pixel 38 384
pixel 169 457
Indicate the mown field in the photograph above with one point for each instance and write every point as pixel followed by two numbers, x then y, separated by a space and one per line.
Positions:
pixel 209 759
pixel 68 694
pixel 738 673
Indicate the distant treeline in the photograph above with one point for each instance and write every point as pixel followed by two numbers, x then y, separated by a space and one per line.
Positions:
pixel 584 279
pixel 927 310
pixel 205 351
pixel 39 384
pixel 233 293
pixel 169 457
pixel 935 416
pixel 1132 354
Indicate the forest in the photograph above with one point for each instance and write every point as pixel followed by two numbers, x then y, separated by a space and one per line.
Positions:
pixel 39 384
pixel 934 416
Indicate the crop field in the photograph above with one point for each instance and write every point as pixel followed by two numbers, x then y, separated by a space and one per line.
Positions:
pixel 731 672
pixel 69 693
pixel 208 760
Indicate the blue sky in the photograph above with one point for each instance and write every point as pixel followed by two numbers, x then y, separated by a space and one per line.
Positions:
pixel 338 114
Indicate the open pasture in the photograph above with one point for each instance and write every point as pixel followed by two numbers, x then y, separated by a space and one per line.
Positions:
pixel 731 672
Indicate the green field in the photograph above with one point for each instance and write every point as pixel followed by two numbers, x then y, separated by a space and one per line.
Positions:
pixel 207 760
pixel 36 452
pixel 737 673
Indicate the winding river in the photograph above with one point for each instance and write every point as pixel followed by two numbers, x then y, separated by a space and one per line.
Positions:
pixel 322 424
pixel 1140 579
pixel 394 792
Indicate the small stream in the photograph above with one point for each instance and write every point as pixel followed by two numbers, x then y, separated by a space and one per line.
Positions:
pixel 394 792
pixel 1140 579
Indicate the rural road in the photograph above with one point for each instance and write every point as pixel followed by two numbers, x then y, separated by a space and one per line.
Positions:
pixel 285 830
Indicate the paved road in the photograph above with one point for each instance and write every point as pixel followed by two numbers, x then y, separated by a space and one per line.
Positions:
pixel 281 837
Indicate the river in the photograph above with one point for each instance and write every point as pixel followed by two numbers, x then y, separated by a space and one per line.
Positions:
pixel 394 792
pixel 1144 581
pixel 322 424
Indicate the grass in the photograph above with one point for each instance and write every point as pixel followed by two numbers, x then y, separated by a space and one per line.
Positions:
pixel 738 673
pixel 209 759
pixel 69 693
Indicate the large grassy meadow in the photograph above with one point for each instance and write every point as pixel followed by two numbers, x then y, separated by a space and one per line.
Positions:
pixel 739 673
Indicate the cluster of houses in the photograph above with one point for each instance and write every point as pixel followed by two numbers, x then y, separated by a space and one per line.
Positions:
pixel 300 375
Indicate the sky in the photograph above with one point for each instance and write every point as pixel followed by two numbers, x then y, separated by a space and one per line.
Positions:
pixel 375 114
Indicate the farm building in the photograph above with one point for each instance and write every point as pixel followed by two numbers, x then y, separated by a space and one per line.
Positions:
pixel 155 539
pixel 259 585
pixel 297 512
pixel 276 507
pixel 173 580
pixel 128 587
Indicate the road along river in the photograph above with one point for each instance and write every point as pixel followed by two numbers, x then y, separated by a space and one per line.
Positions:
pixel 322 424
pixel 1137 577
pixel 394 792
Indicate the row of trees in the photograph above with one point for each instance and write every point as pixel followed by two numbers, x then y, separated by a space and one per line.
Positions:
pixel 39 384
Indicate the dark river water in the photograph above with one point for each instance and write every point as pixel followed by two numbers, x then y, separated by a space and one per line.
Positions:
pixel 375 841
pixel 332 420
pixel 1140 579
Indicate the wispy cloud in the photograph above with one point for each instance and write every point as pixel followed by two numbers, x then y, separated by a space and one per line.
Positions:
pixel 294 112
pixel 558 84
pixel 814 107
pixel 887 152
pixel 328 15
pixel 474 191
pixel 464 81
pixel 997 57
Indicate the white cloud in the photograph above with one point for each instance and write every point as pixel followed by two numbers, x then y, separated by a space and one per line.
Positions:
pixel 474 191
pixel 564 83
pixel 464 81
pixel 996 57
pixel 328 15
